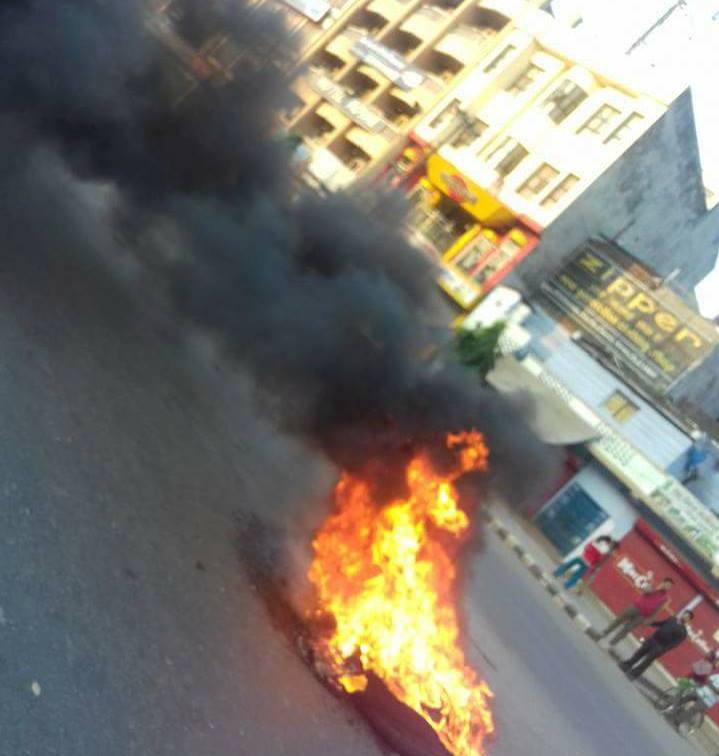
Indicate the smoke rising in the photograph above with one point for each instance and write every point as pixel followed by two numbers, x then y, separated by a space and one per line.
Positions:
pixel 321 300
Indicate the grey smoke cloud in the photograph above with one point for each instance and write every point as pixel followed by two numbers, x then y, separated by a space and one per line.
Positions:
pixel 322 300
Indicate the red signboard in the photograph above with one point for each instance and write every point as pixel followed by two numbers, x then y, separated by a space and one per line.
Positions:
pixel 644 558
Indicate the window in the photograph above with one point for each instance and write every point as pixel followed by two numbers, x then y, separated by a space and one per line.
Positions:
pixel 445 115
pixel 472 131
pixel 570 518
pixel 493 64
pixel 525 79
pixel 600 121
pixel 538 181
pixel 512 155
pixel 565 185
pixel 620 407
pixel 629 124
pixel 564 100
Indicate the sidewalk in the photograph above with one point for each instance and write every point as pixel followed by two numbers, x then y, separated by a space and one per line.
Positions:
pixel 582 607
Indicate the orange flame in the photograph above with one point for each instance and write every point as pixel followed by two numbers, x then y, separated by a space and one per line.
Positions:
pixel 386 576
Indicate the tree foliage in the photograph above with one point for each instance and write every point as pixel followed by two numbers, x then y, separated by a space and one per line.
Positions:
pixel 478 348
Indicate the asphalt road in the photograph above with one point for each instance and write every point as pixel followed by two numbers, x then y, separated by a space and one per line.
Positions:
pixel 557 693
pixel 127 627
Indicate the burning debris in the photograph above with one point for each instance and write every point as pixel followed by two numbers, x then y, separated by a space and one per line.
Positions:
pixel 385 577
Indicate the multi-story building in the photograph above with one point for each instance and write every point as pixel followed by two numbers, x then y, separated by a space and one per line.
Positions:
pixel 512 137
pixel 372 76
pixel 677 39
pixel 307 20
pixel 628 462
pixel 544 137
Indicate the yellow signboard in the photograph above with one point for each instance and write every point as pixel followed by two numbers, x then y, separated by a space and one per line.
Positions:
pixel 475 200
pixel 656 337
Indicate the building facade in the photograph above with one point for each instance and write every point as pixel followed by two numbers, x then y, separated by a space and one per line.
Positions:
pixel 307 20
pixel 372 76
pixel 521 139
pixel 627 459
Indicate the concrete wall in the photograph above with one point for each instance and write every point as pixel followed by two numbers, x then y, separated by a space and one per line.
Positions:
pixel 700 388
pixel 651 201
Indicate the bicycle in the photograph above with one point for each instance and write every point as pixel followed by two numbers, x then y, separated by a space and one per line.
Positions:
pixel 684 705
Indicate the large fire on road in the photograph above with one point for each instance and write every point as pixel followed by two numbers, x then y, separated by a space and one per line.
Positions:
pixel 386 577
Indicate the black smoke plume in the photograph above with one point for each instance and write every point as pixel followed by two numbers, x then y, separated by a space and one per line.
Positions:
pixel 321 300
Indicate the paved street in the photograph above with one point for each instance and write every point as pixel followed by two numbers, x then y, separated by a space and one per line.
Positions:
pixel 121 596
pixel 556 693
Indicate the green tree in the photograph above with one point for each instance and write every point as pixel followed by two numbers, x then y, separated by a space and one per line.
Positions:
pixel 478 348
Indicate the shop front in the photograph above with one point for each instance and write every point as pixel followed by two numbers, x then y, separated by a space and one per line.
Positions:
pixel 462 226
pixel 644 558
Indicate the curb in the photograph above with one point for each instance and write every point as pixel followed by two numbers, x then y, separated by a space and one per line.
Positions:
pixel 580 620
pixel 539 574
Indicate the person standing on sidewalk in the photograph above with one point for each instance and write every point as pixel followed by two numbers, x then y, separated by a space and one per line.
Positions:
pixel 645 609
pixel 592 558
pixel 669 634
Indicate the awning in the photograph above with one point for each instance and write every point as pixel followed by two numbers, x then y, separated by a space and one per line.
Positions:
pixel 476 200
pixel 547 415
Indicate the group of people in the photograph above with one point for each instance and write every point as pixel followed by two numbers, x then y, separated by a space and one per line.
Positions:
pixel 644 610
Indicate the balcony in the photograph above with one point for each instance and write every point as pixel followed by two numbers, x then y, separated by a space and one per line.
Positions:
pixel 358 84
pixel 352 156
pixel 484 19
pixel 373 74
pixel 402 42
pixel 420 98
pixel 388 9
pixel 367 23
pixel 340 47
pixel 326 63
pixel 316 127
pixel 440 65
pixel 463 43
pixel 331 115
pixel 398 110
pixel 371 145
pixel 425 23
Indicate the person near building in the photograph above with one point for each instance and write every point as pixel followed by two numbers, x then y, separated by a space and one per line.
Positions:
pixel 641 612
pixel 669 634
pixel 704 668
pixel 696 456
pixel 593 556
pixel 700 675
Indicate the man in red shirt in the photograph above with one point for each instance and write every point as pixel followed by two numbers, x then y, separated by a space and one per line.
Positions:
pixel 641 612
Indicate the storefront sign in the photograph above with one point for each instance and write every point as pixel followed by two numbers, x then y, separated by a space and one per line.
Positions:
pixel 315 10
pixel 697 524
pixel 353 108
pixel 655 337
pixel 477 201
pixel 388 62
pixel 640 475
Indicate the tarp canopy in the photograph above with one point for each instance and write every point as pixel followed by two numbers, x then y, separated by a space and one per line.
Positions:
pixel 546 413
